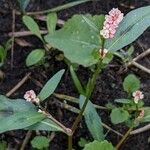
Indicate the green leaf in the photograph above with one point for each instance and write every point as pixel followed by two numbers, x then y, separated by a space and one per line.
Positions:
pixel 23 4
pixel 51 22
pixel 3 54
pixel 35 57
pixel 45 124
pixel 131 83
pixel 32 26
pixel 17 114
pixel 51 85
pixel 3 145
pixel 132 26
pixel 76 81
pixel 123 101
pixel 10 106
pixel 119 115
pixel 40 142
pixel 146 115
pixel 20 120
pixel 92 119
pixel 96 145
pixel 79 39
pixel 82 142
pixel 108 58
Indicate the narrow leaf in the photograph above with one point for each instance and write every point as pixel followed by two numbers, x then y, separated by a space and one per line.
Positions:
pixel 132 26
pixel 45 124
pixel 92 119
pixel 51 85
pixel 76 81
pixel 123 101
pixel 32 26
pixel 23 4
pixel 20 120
pixel 51 22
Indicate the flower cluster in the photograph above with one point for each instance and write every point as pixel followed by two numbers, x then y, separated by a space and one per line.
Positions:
pixel 111 23
pixel 138 95
pixel 30 96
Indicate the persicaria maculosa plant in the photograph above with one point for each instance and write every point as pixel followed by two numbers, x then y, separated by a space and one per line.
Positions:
pixel 90 41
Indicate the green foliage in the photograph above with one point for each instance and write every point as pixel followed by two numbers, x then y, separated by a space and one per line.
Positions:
pixel 51 22
pixel 96 145
pixel 79 39
pixel 3 145
pixel 32 26
pixel 119 115
pixel 45 124
pixel 92 119
pixel 123 101
pixel 131 83
pixel 125 55
pixel 3 54
pixel 146 115
pixel 130 29
pixel 51 85
pixel 19 114
pixel 40 142
pixel 35 57
pixel 23 4
pixel 76 81
pixel 82 142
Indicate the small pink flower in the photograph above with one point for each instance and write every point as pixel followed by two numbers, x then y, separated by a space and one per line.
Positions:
pixel 138 95
pixel 30 96
pixel 111 23
pixel 105 51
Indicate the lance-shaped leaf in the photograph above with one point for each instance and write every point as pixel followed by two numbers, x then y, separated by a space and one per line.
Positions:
pixel 17 114
pixel 23 4
pixel 46 124
pixel 92 119
pixel 32 26
pixel 51 85
pixel 20 120
pixel 79 39
pixel 132 26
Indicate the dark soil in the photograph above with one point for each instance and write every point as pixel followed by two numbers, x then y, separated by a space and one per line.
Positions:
pixel 109 83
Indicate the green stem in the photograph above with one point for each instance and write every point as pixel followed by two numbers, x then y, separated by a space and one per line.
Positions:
pixel 92 84
pixel 70 142
pixel 124 138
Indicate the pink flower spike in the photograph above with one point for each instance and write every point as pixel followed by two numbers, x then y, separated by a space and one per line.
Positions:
pixel 138 95
pixel 30 96
pixel 111 23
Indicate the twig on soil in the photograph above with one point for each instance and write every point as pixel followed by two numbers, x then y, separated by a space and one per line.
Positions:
pixel 26 140
pixel 25 33
pixel 13 38
pixel 76 110
pixel 43 18
pixel 56 9
pixel 140 130
pixel 140 67
pixel 134 63
pixel 18 85
pixel 145 53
